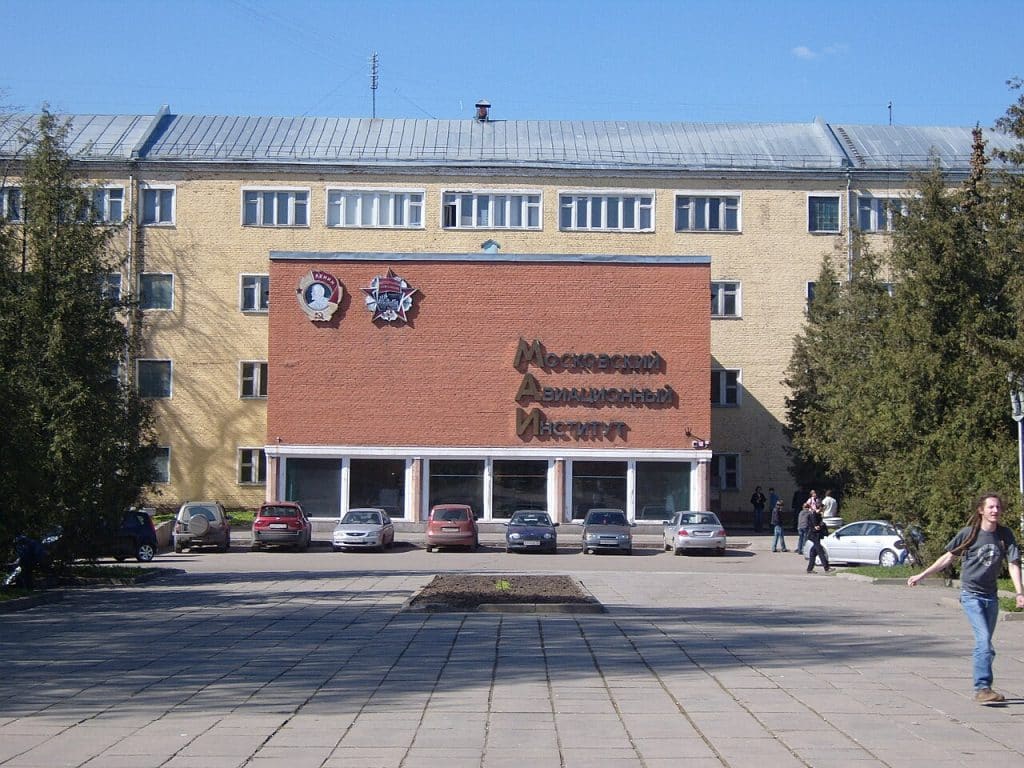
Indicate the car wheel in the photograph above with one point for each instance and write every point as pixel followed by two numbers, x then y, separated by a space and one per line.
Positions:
pixel 677 552
pixel 178 548
pixel 429 548
pixel 255 547
pixel 888 558
pixel 145 553
pixel 225 546
pixel 629 551
pixel 668 547
pixel 720 551
pixel 584 551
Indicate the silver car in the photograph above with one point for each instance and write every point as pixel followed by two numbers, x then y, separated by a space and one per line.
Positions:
pixel 607 529
pixel 364 528
pixel 694 530
pixel 874 542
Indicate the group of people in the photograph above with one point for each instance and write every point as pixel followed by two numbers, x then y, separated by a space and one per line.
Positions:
pixel 810 523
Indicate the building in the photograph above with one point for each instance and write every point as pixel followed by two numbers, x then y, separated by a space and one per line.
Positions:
pixel 518 309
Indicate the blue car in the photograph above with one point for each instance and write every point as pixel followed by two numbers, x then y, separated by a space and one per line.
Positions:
pixel 531 530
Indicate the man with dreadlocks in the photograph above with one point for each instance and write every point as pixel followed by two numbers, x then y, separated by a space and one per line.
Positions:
pixel 983 544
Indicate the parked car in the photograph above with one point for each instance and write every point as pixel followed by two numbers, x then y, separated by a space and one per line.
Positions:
pixel 135 537
pixel 607 529
pixel 452 525
pixel 531 529
pixel 875 542
pixel 364 528
pixel 202 523
pixel 694 530
pixel 281 522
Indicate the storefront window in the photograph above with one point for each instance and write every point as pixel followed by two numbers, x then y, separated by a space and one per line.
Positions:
pixel 597 484
pixel 316 485
pixel 519 485
pixel 457 482
pixel 662 487
pixel 378 483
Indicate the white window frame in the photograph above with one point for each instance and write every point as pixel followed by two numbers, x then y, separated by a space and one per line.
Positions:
pixel 340 199
pixel 839 212
pixel 165 459
pixel 245 461
pixel 604 200
pixel 256 372
pixel 879 212
pixel 454 213
pixel 250 286
pixel 102 206
pixel 719 290
pixel 160 221
pixel 288 219
pixel 723 375
pixel 158 274
pixel 170 377
pixel 706 197
pixel 6 193
pixel 720 459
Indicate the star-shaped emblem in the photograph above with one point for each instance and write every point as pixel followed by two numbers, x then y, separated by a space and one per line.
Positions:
pixel 389 298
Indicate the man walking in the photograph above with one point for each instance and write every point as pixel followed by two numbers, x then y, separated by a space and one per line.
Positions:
pixel 778 539
pixel 816 530
pixel 983 544
pixel 757 501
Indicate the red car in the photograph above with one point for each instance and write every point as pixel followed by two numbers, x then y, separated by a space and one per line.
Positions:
pixel 452 525
pixel 281 522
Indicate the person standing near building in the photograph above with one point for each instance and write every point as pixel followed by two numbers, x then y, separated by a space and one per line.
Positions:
pixel 983 544
pixel 801 526
pixel 829 506
pixel 816 530
pixel 778 538
pixel 757 501
pixel 814 501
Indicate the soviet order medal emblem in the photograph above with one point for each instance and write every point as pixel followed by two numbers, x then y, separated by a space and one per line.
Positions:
pixel 389 298
pixel 319 294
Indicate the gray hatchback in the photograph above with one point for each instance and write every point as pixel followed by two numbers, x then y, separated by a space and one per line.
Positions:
pixel 607 529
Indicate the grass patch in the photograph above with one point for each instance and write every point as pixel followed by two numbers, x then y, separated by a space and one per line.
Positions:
pixel 881 572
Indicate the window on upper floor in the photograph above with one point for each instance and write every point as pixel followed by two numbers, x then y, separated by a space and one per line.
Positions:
pixel 156 291
pixel 275 207
pixel 255 293
pixel 725 387
pixel 154 378
pixel 365 208
pixel 710 213
pixel 10 204
pixel 110 287
pixel 252 466
pixel 823 213
pixel 876 214
pixel 253 379
pixel 158 206
pixel 606 213
pixel 491 210
pixel 162 465
pixel 725 299
pixel 725 471
pixel 108 204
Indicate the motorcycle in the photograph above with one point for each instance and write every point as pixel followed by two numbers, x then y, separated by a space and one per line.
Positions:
pixel 30 554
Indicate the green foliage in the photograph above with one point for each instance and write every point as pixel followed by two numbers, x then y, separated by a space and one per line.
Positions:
pixel 902 401
pixel 77 442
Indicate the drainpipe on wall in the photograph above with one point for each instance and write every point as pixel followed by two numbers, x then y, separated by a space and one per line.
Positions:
pixel 849 226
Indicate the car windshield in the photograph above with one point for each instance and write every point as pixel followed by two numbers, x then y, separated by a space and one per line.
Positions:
pixel 698 520
pixel 359 517
pixel 451 515
pixel 606 518
pixel 279 512
pixel 530 518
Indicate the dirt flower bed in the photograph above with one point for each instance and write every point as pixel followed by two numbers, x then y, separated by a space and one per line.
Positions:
pixel 468 591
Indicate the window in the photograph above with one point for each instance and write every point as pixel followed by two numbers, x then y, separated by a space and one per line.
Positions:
pixel 154 378
pixel 823 213
pixel 725 299
pixel 725 387
pixel 10 204
pixel 255 293
pixel 162 465
pixel 613 213
pixel 707 214
pixel 488 210
pixel 369 208
pixel 254 379
pixel 725 471
pixel 110 287
pixel 876 214
pixel 108 204
pixel 158 205
pixel 252 466
pixel 156 291
pixel 275 208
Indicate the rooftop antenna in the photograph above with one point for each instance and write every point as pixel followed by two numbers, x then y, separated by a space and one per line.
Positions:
pixel 373 82
pixel 890 112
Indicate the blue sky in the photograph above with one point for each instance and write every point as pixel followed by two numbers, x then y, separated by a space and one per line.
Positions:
pixel 939 62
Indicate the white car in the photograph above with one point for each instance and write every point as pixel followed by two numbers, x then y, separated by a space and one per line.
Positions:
pixel 874 542
pixel 364 528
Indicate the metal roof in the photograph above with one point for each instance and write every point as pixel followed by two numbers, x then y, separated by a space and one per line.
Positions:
pixel 599 145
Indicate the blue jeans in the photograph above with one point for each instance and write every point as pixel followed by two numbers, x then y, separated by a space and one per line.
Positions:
pixel 802 540
pixel 778 541
pixel 982 611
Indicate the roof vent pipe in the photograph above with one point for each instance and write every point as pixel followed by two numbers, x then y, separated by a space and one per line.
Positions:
pixel 483 107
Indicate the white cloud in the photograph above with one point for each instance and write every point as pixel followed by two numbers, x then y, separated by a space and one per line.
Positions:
pixel 803 52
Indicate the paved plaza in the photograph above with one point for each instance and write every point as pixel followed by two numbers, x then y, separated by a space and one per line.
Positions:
pixel 308 660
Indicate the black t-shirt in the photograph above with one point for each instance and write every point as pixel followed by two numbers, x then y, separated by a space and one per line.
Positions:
pixel 983 560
